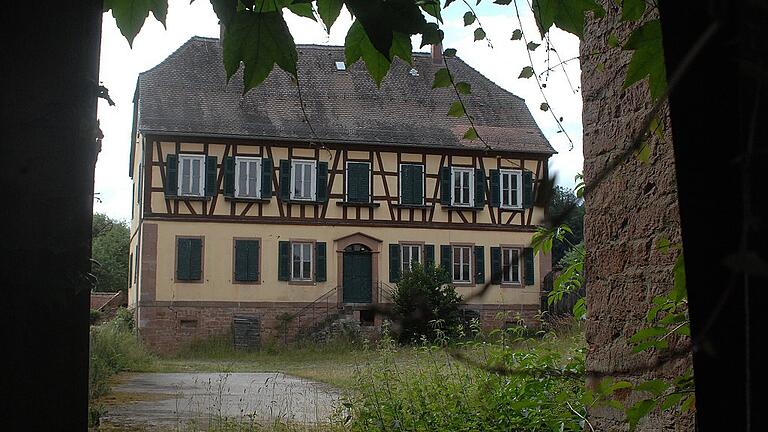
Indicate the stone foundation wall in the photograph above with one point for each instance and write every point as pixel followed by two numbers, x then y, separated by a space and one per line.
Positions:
pixel 625 216
pixel 166 328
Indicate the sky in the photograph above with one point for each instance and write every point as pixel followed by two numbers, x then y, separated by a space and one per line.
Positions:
pixel 498 58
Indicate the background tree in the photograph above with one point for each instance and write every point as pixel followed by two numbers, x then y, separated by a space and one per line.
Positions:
pixel 565 200
pixel 111 239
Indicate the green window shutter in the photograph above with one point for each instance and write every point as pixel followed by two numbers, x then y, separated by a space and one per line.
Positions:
pixel 445 257
pixel 229 176
pixel 445 186
pixel 496 265
pixel 171 175
pixel 241 260
pixel 322 182
pixel 266 178
pixel 182 259
pixel 284 261
pixel 285 181
pixel 479 188
pixel 495 188
pixel 195 259
pixel 417 188
pixel 528 266
pixel 527 189
pixel 210 175
pixel 394 263
pixel 479 264
pixel 406 185
pixel 253 260
pixel 322 262
pixel 429 254
pixel 358 184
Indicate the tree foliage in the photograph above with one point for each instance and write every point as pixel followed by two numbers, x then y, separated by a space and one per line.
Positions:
pixel 563 199
pixel 110 251
pixel 426 303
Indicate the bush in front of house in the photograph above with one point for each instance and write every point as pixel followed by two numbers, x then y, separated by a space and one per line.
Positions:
pixel 425 305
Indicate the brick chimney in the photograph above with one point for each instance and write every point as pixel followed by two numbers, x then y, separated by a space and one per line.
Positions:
pixel 437 53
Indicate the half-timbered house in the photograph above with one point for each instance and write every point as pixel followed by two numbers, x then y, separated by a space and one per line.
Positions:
pixel 310 198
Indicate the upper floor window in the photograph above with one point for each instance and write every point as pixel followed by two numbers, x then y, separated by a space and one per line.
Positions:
pixel 510 265
pixel 191 175
pixel 303 179
pixel 463 180
pixel 511 188
pixel 411 184
pixel 301 261
pixel 411 253
pixel 462 264
pixel 248 175
pixel 358 182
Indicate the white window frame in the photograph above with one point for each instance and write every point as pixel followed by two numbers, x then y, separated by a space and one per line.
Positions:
pixel 407 265
pixel 247 159
pixel 370 180
pixel 471 180
pixel 301 277
pixel 506 277
pixel 508 194
pixel 180 168
pixel 423 176
pixel 313 179
pixel 462 264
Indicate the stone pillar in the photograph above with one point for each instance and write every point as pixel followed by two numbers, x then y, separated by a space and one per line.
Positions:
pixel 625 216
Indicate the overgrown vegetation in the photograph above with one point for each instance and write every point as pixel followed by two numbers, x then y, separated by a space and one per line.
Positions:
pixel 426 304
pixel 110 251
pixel 114 348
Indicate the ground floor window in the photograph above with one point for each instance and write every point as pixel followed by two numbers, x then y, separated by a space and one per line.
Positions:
pixel 411 253
pixel 246 260
pixel 462 264
pixel 301 268
pixel 189 259
pixel 510 265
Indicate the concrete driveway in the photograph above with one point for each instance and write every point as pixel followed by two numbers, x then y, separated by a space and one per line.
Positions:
pixel 174 399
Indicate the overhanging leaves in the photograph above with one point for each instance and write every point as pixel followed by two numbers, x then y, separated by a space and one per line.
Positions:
pixel 647 59
pixel 302 9
pixel 517 35
pixel 329 10
pixel 632 10
pixel 469 18
pixel 527 72
pixel 259 41
pixel 567 15
pixel 479 34
pixel 471 134
pixel 456 109
pixel 382 18
pixel 357 46
pixel 442 79
pixel 131 14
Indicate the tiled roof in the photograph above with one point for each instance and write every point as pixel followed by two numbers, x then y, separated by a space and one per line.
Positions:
pixel 187 94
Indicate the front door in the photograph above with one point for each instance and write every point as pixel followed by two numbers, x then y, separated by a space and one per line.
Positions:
pixel 356 284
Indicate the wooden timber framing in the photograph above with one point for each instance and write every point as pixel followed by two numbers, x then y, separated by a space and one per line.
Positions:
pixel 385 163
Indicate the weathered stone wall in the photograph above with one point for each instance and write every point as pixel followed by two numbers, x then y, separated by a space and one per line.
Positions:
pixel 625 216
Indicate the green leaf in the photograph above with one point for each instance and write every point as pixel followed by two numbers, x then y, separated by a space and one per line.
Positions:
pixel 450 52
pixel 684 330
pixel 431 35
pixel 655 387
pixel 471 134
pixel 567 15
pixel 638 411
pixel 329 10
pixel 357 45
pixel 456 109
pixel 448 3
pixel 259 41
pixel 620 385
pixel 644 153
pixel 647 59
pixel 663 244
pixel 479 34
pixel 679 290
pixel 632 10
pixel 517 34
pixel 544 106
pixel 613 41
pixel 671 401
pixel 463 87
pixel 401 47
pixel 532 46
pixel 647 333
pixel 442 79
pixel 527 72
pixel 469 18
pixel 433 8
pixel 656 127
pixel 302 10
pixel 131 14
pixel 688 403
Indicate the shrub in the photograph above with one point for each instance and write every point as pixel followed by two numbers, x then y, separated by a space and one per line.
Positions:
pixel 426 304
pixel 114 348
pixel 95 316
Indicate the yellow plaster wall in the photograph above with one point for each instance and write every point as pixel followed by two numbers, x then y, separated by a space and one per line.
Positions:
pixel 218 264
